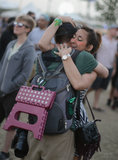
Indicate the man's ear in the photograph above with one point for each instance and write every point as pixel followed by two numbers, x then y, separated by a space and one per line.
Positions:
pixel 90 47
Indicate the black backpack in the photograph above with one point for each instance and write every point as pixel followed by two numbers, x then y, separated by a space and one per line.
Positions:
pixel 60 115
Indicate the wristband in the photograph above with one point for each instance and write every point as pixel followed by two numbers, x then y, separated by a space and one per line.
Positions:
pixel 65 57
pixel 58 22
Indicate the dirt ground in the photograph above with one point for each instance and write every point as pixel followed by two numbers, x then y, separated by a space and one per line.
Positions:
pixel 108 128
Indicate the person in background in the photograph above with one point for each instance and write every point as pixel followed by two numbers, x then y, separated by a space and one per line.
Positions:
pixel 32 14
pixel 51 20
pixel 4 23
pixel 16 66
pixel 35 36
pixel 106 56
pixel 7 36
pixel 0 25
pixel 113 95
pixel 37 33
pixel 113 99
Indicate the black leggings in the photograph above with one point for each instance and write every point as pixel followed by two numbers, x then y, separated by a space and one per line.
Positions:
pixel 6 104
pixel 2 113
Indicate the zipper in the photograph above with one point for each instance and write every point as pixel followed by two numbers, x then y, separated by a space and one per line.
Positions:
pixel 7 57
pixel 4 75
pixel 67 87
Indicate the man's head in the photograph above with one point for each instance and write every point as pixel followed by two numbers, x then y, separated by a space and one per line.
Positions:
pixel 65 33
pixel 43 21
pixel 32 14
pixel 112 30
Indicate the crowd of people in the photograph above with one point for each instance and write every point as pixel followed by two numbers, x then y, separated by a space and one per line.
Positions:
pixel 23 39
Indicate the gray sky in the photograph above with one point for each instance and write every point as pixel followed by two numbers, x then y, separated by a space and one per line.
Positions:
pixel 58 7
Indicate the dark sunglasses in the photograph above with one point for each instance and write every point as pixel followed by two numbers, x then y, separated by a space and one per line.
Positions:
pixel 20 24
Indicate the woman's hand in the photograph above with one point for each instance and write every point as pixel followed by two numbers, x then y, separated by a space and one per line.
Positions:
pixel 63 50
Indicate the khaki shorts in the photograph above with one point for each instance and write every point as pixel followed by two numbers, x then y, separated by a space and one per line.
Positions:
pixel 51 147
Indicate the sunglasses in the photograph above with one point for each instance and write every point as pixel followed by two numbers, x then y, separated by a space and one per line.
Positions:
pixel 20 24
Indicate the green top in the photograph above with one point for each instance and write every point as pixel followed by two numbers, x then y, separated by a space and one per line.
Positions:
pixel 85 63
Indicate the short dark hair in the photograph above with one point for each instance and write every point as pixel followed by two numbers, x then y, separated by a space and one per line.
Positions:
pixel 11 19
pixel 65 33
pixel 30 13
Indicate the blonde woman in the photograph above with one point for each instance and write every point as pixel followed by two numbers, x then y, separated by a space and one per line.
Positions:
pixel 16 66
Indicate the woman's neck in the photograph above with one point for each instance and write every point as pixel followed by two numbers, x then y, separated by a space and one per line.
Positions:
pixel 21 39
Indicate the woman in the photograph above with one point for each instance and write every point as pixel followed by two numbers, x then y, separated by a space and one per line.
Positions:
pixel 16 66
pixel 85 39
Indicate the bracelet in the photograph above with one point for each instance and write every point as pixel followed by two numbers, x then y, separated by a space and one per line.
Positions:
pixel 58 22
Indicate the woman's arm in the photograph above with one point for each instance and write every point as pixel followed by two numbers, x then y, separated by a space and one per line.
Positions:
pixel 78 81
pixel 45 42
pixel 101 70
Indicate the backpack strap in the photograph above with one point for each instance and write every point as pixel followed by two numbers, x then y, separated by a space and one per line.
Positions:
pixel 74 54
pixel 44 69
pixel 40 60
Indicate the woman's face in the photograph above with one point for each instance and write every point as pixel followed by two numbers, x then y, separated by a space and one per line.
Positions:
pixel 20 27
pixel 79 41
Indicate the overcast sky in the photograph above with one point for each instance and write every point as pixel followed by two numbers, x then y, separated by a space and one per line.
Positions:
pixel 53 6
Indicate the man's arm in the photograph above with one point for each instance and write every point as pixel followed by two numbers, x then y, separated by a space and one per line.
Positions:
pixel 45 42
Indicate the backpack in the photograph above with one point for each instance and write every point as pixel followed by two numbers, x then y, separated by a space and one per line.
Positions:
pixel 59 118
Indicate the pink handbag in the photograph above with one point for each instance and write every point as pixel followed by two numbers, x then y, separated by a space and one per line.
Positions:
pixel 32 101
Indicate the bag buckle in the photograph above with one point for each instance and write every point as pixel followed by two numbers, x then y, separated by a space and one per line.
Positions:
pixel 41 81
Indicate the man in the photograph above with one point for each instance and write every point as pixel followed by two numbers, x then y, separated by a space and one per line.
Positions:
pixel 32 14
pixel 60 146
pixel 106 56
pixel 37 33
pixel 7 36
pixel 113 95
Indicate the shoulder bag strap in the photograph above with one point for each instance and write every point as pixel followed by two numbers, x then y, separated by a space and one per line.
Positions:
pixel 78 106
pixel 93 116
